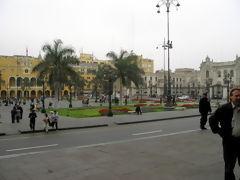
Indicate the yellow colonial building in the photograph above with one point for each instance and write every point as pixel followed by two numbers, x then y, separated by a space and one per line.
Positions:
pixel 18 80
pixel 146 64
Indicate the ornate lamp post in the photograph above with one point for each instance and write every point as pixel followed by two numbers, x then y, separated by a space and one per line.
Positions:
pixel 110 113
pixel 168 3
pixel 43 98
pixel 164 70
pixel 227 79
pixel 70 98
pixel 110 78
pixel 165 78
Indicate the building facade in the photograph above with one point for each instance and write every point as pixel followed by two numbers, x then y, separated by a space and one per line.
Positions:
pixel 216 78
pixel 18 80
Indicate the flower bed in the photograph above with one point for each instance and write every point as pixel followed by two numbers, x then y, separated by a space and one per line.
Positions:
pixel 190 105
pixel 154 105
pixel 104 112
pixel 135 105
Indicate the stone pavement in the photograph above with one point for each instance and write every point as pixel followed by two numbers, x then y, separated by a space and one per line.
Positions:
pixel 195 155
pixel 7 128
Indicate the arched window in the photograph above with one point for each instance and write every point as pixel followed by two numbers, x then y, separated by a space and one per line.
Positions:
pixel 231 73
pixel 19 81
pixel 12 82
pixel 26 71
pixel 26 82
pixel 207 74
pixel 219 73
pixel 33 82
pixel 39 82
pixel 225 73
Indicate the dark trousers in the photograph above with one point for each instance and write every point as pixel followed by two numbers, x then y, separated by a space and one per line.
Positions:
pixel 203 119
pixel 32 124
pixel 231 152
pixel 55 124
pixel 13 119
pixel 18 119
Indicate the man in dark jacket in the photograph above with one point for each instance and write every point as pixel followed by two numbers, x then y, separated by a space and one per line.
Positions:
pixel 226 122
pixel 32 116
pixel 204 108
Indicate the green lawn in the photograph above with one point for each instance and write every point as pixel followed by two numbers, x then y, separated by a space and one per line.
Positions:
pixel 84 112
pixel 93 111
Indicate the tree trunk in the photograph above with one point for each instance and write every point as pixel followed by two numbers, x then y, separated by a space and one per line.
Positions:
pixel 130 94
pixel 120 92
pixel 56 96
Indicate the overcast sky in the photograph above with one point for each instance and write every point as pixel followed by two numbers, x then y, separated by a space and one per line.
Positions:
pixel 197 29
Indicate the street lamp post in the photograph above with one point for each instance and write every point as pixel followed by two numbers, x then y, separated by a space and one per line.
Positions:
pixel 164 70
pixel 228 80
pixel 110 113
pixel 70 98
pixel 150 86
pixel 168 3
pixel 43 98
pixel 165 84
pixel 109 76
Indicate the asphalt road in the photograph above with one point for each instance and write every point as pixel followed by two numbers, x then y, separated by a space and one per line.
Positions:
pixel 163 150
pixel 31 143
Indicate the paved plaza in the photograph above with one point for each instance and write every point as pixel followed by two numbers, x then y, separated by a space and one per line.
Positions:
pixel 7 128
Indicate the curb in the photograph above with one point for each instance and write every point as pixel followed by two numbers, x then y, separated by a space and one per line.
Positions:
pixel 2 134
pixel 153 120
pixel 62 129
pixel 104 125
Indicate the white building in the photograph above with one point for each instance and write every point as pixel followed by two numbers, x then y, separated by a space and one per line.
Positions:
pixel 216 78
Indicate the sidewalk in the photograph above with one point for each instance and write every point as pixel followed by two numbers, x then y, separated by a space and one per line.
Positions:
pixel 7 128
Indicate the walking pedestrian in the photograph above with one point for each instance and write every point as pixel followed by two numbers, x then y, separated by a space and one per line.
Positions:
pixel 204 109
pixel 13 114
pixel 54 119
pixel 138 110
pixel 45 122
pixel 21 111
pixel 32 115
pixel 18 114
pixel 226 122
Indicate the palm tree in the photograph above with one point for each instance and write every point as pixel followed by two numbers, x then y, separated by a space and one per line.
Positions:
pixel 126 69
pixel 57 65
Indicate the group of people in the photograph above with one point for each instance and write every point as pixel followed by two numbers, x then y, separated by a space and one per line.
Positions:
pixel 51 120
pixel 225 122
pixel 48 120
pixel 16 113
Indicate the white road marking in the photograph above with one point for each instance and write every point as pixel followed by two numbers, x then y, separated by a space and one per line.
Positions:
pixel 21 154
pixel 100 144
pixel 34 147
pixel 143 133
pixel 136 139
